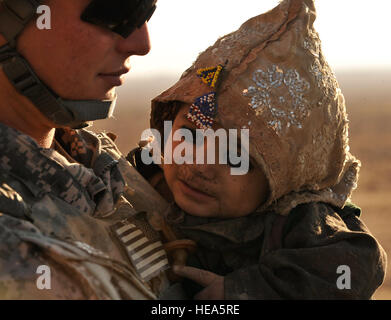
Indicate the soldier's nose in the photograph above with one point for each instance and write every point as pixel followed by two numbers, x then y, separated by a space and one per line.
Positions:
pixel 138 43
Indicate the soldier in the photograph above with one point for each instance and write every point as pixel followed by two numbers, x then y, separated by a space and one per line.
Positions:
pixel 67 226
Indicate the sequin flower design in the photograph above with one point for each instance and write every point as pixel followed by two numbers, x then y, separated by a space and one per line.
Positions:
pixel 279 96
pixel 203 111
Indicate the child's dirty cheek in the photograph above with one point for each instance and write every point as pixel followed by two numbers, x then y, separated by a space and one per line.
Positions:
pixel 183 172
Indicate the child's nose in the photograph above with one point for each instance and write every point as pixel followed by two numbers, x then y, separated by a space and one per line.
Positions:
pixel 204 171
pixel 205 166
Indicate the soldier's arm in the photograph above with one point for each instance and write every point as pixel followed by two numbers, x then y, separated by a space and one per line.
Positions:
pixel 26 272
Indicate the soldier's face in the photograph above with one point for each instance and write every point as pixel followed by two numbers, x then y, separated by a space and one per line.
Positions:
pixel 209 190
pixel 78 60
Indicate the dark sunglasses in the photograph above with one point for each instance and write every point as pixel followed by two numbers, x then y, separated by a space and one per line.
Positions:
pixel 119 16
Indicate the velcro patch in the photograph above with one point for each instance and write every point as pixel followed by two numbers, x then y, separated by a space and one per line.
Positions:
pixel 143 245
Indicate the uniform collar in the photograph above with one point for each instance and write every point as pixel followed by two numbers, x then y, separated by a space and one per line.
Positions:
pixel 45 171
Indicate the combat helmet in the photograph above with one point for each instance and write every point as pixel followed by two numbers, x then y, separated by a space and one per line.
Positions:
pixel 119 16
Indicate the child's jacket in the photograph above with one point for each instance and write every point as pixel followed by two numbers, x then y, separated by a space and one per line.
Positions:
pixel 316 252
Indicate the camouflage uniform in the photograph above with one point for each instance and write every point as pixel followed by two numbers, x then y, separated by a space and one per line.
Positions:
pixel 69 208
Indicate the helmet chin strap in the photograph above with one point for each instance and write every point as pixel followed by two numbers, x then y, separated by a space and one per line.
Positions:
pixel 14 16
pixel 69 113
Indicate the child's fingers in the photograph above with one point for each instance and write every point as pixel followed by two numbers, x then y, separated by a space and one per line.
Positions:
pixel 202 277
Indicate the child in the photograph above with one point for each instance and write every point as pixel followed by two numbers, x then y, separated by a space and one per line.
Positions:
pixel 284 230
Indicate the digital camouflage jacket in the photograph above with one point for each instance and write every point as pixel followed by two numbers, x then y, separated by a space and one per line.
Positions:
pixel 79 211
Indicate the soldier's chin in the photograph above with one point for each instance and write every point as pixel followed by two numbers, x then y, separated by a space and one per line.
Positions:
pixel 110 95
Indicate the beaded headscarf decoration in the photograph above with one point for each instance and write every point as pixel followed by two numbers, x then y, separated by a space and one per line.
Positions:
pixel 204 109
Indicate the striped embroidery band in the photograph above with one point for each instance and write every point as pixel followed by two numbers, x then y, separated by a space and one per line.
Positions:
pixel 143 246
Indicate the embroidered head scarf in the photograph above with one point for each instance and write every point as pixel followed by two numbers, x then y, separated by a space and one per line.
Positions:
pixel 277 83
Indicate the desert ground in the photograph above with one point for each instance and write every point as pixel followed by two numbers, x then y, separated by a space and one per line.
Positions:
pixel 368 100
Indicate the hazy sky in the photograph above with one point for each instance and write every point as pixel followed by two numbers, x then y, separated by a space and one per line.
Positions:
pixel 354 33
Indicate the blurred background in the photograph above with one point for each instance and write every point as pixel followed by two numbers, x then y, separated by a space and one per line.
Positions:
pixel 356 42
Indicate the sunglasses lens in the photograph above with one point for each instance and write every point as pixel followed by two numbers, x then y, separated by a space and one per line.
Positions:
pixel 119 16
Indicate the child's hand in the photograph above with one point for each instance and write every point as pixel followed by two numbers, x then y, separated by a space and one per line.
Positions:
pixel 213 283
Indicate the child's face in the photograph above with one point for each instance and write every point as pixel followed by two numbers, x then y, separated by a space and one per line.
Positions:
pixel 209 190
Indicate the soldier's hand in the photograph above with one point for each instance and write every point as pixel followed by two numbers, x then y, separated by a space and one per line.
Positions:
pixel 213 283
